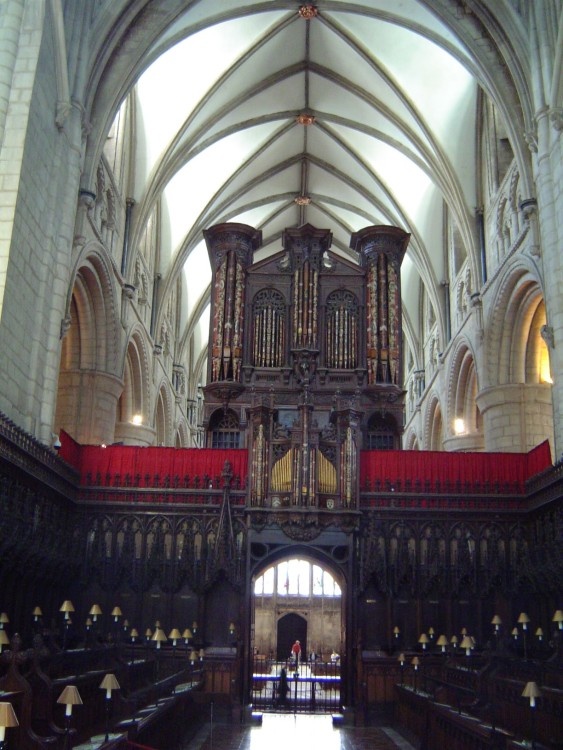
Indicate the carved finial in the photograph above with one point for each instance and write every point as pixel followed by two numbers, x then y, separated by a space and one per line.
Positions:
pixel 308 11
pixel 305 118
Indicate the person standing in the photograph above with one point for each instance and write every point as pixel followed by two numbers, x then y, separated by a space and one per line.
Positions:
pixel 296 653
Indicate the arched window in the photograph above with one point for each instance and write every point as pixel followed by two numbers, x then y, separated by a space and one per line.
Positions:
pixel 225 430
pixel 297 578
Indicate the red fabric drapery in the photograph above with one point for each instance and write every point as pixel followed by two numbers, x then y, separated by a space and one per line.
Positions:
pixel 118 465
pixel 439 467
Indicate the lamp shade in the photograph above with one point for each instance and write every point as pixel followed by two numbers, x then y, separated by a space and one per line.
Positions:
pixel 8 716
pixel 201 654
pixel 37 612
pixel 401 658
pixel 109 683
pixel 148 633
pixel 187 634
pixel 134 633
pixel 467 644
pixel 174 635
pixel 4 619
pixel 116 612
pixel 532 692
pixel 539 633
pixel 558 618
pixel 496 621
pixel 95 610
pixel 514 632
pixel 423 639
pixel 415 662
pixel 396 631
pixel 431 632
pixel 67 606
pixel 523 619
pixel 193 656
pixel 4 640
pixel 70 697
pixel 159 636
pixel 454 640
pixel 442 641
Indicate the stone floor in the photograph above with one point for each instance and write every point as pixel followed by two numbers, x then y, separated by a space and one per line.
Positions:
pixel 296 732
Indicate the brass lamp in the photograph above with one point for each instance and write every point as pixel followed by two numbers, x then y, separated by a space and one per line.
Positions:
pixel 67 607
pixel 95 611
pixel 423 640
pixel 431 633
pixel 467 644
pixel 201 654
pixel 396 631
pixel 37 613
pixel 116 613
pixel 193 656
pixel 148 634
pixel 454 641
pixel 187 635
pixel 134 634
pixel 159 636
pixel 523 619
pixel 443 642
pixel 532 692
pixel 8 719
pixel 514 632
pixel 108 684
pixel 70 697
pixel 539 633
pixel 558 618
pixel 4 640
pixel 497 622
pixel 174 635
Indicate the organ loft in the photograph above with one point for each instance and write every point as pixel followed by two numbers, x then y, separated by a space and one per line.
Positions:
pixel 305 360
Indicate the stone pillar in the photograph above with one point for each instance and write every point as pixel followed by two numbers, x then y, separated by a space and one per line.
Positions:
pixel 90 405
pixel 516 417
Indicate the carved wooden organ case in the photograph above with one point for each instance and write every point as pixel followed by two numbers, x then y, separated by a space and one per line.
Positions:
pixel 305 348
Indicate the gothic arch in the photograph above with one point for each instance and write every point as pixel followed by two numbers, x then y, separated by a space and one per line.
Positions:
pixel 434 427
pixel 163 415
pixel 463 387
pixel 517 316
pixel 136 376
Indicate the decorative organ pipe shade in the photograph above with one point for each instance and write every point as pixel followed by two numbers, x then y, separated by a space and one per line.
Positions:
pixel 342 318
pixel 268 329
pixel 231 248
pixel 381 250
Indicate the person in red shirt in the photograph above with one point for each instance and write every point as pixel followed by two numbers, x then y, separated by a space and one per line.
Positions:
pixel 296 652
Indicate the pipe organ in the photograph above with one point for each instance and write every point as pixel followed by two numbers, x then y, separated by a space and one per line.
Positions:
pixel 306 353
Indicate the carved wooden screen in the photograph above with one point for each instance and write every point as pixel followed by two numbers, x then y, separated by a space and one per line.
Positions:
pixel 268 329
pixel 342 317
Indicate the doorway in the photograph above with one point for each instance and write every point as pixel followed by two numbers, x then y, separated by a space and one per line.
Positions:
pixel 297 598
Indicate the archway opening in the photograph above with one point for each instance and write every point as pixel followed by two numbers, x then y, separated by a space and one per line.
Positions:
pixel 298 634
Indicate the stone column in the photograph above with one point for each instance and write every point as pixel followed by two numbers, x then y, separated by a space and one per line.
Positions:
pixel 90 405
pixel 516 416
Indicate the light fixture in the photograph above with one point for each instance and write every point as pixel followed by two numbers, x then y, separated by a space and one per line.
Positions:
pixel 108 684
pixel 4 640
pixel 558 618
pixel 88 623
pixel 443 642
pixel 539 633
pixel 8 719
pixel 415 662
pixel 396 631
pixel 174 635
pixel 459 426
pixel 116 613
pixel 532 692
pixel 134 634
pixel 148 634
pixel 67 607
pixel 37 613
pixel 159 636
pixel 126 625
pixel 431 633
pixel 194 627
pixel 201 654
pixel 467 644
pixel 70 697
pixel 423 640
pixel 523 619
pixel 464 632
pixel 95 611
pixel 454 641
pixel 497 622
pixel 187 635
pixel 193 656
pixel 231 628
pixel 137 419
pixel 4 620
pixel 401 659
pixel 514 632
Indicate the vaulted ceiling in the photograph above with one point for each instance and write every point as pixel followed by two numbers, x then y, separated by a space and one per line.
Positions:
pixel 277 113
